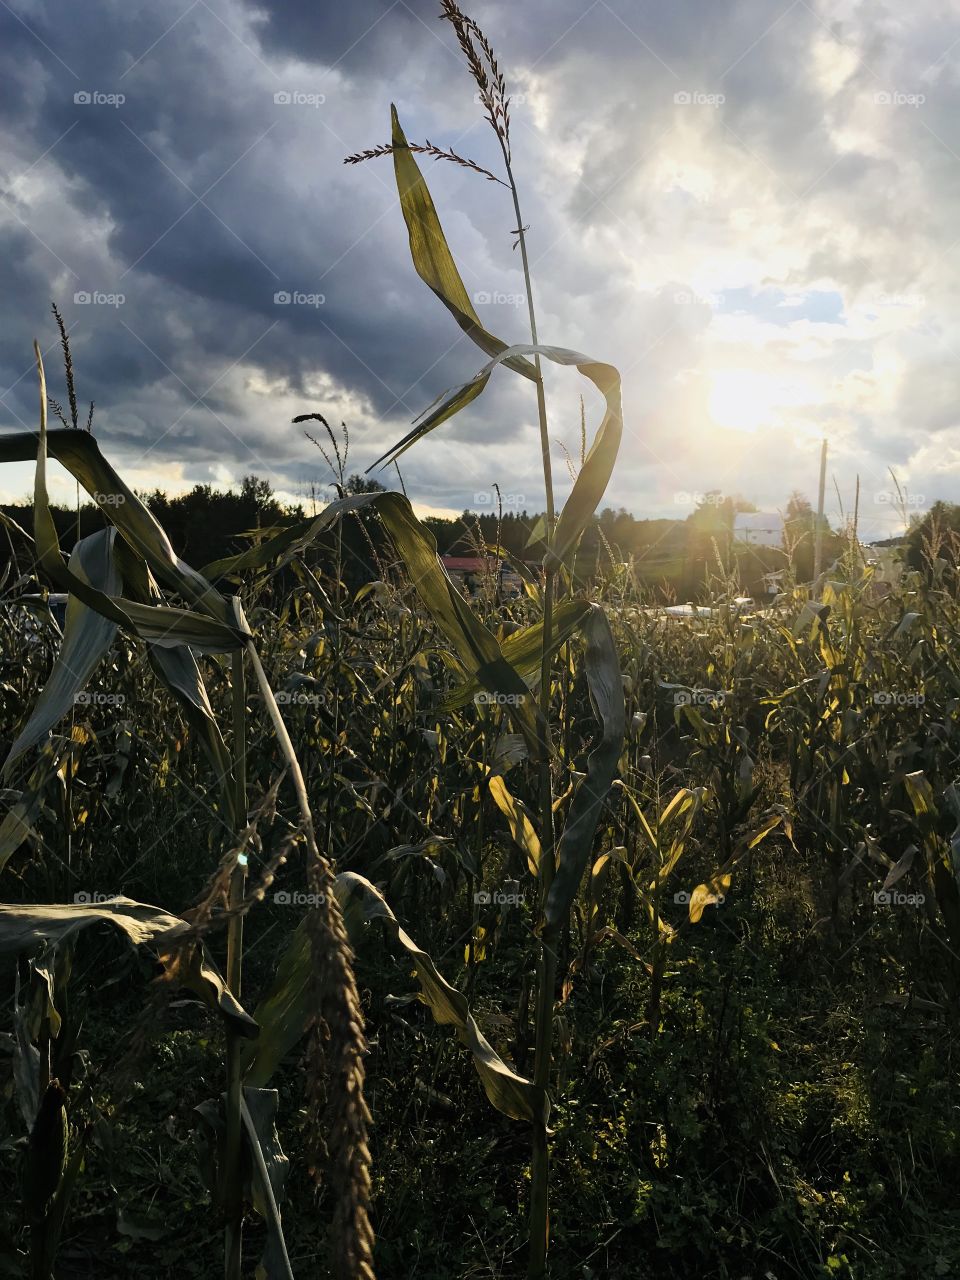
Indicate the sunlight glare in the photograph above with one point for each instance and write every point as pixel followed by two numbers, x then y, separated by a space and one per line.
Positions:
pixel 744 400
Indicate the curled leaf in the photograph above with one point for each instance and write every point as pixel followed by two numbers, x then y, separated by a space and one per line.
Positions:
pixel 509 1092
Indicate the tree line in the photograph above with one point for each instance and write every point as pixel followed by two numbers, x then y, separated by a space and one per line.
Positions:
pixel 677 555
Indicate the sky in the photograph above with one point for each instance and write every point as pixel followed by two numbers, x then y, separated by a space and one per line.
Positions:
pixel 750 208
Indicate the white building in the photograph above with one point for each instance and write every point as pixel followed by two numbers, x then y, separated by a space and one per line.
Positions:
pixel 758 528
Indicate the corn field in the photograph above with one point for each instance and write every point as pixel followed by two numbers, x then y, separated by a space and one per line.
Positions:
pixel 386 932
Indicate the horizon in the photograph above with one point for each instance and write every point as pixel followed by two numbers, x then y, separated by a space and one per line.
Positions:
pixel 300 501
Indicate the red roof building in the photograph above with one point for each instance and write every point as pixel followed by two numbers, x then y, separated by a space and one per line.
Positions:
pixel 470 564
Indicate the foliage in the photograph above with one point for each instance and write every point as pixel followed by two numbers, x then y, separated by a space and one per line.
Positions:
pixel 674 902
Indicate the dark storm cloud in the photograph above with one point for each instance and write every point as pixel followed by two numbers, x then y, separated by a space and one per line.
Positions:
pixel 200 198
pixel 358 37
pixel 215 198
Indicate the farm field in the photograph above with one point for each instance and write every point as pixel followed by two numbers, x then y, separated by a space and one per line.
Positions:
pixel 551 892
pixel 742 1087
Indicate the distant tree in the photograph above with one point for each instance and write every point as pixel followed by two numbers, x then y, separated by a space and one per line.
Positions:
pixel 934 535
pixel 357 484
pixel 798 507
pixel 800 526
pixel 256 492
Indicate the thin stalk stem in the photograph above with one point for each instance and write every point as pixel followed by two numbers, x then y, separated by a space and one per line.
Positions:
pixel 339 1005
pixel 539 1223
pixel 335 740
pixel 266 1187
pixel 233 1202
pixel 531 312
pixel 238 880
pixel 474 881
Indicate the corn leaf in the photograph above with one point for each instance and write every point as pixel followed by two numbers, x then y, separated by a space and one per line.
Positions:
pixel 19 820
pixel 521 828
pixel 431 253
pixel 79 452
pixel 87 636
pixel 287 541
pixel 602 668
pixel 25 929
pixel 509 1092
pixel 263 1172
pixel 283 1012
pixel 594 475
pixel 522 651
pixel 176 668
pixel 162 624
pixel 710 893
pixel 474 644
pixel 286 1008
pixel 268 1175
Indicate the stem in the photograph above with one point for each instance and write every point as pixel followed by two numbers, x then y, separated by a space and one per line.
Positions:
pixel 473 881
pixel 238 880
pixel 339 1005
pixel 233 1200
pixel 335 740
pixel 266 1186
pixel 541 398
pixel 44 1252
pixel 539 1228
pixel 40 1255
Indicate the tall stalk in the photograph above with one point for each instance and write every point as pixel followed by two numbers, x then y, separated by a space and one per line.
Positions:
pixel 338 1007
pixel 339 469
pixel 539 1221
pixel 482 63
pixel 232 1190
pixel 437 269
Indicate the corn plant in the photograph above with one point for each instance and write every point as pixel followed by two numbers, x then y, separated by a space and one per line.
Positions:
pixel 112 579
pixel 560 863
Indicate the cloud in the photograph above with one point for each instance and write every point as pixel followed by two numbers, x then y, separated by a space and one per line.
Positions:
pixel 714 194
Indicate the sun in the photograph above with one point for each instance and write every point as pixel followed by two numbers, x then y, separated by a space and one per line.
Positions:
pixel 746 400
